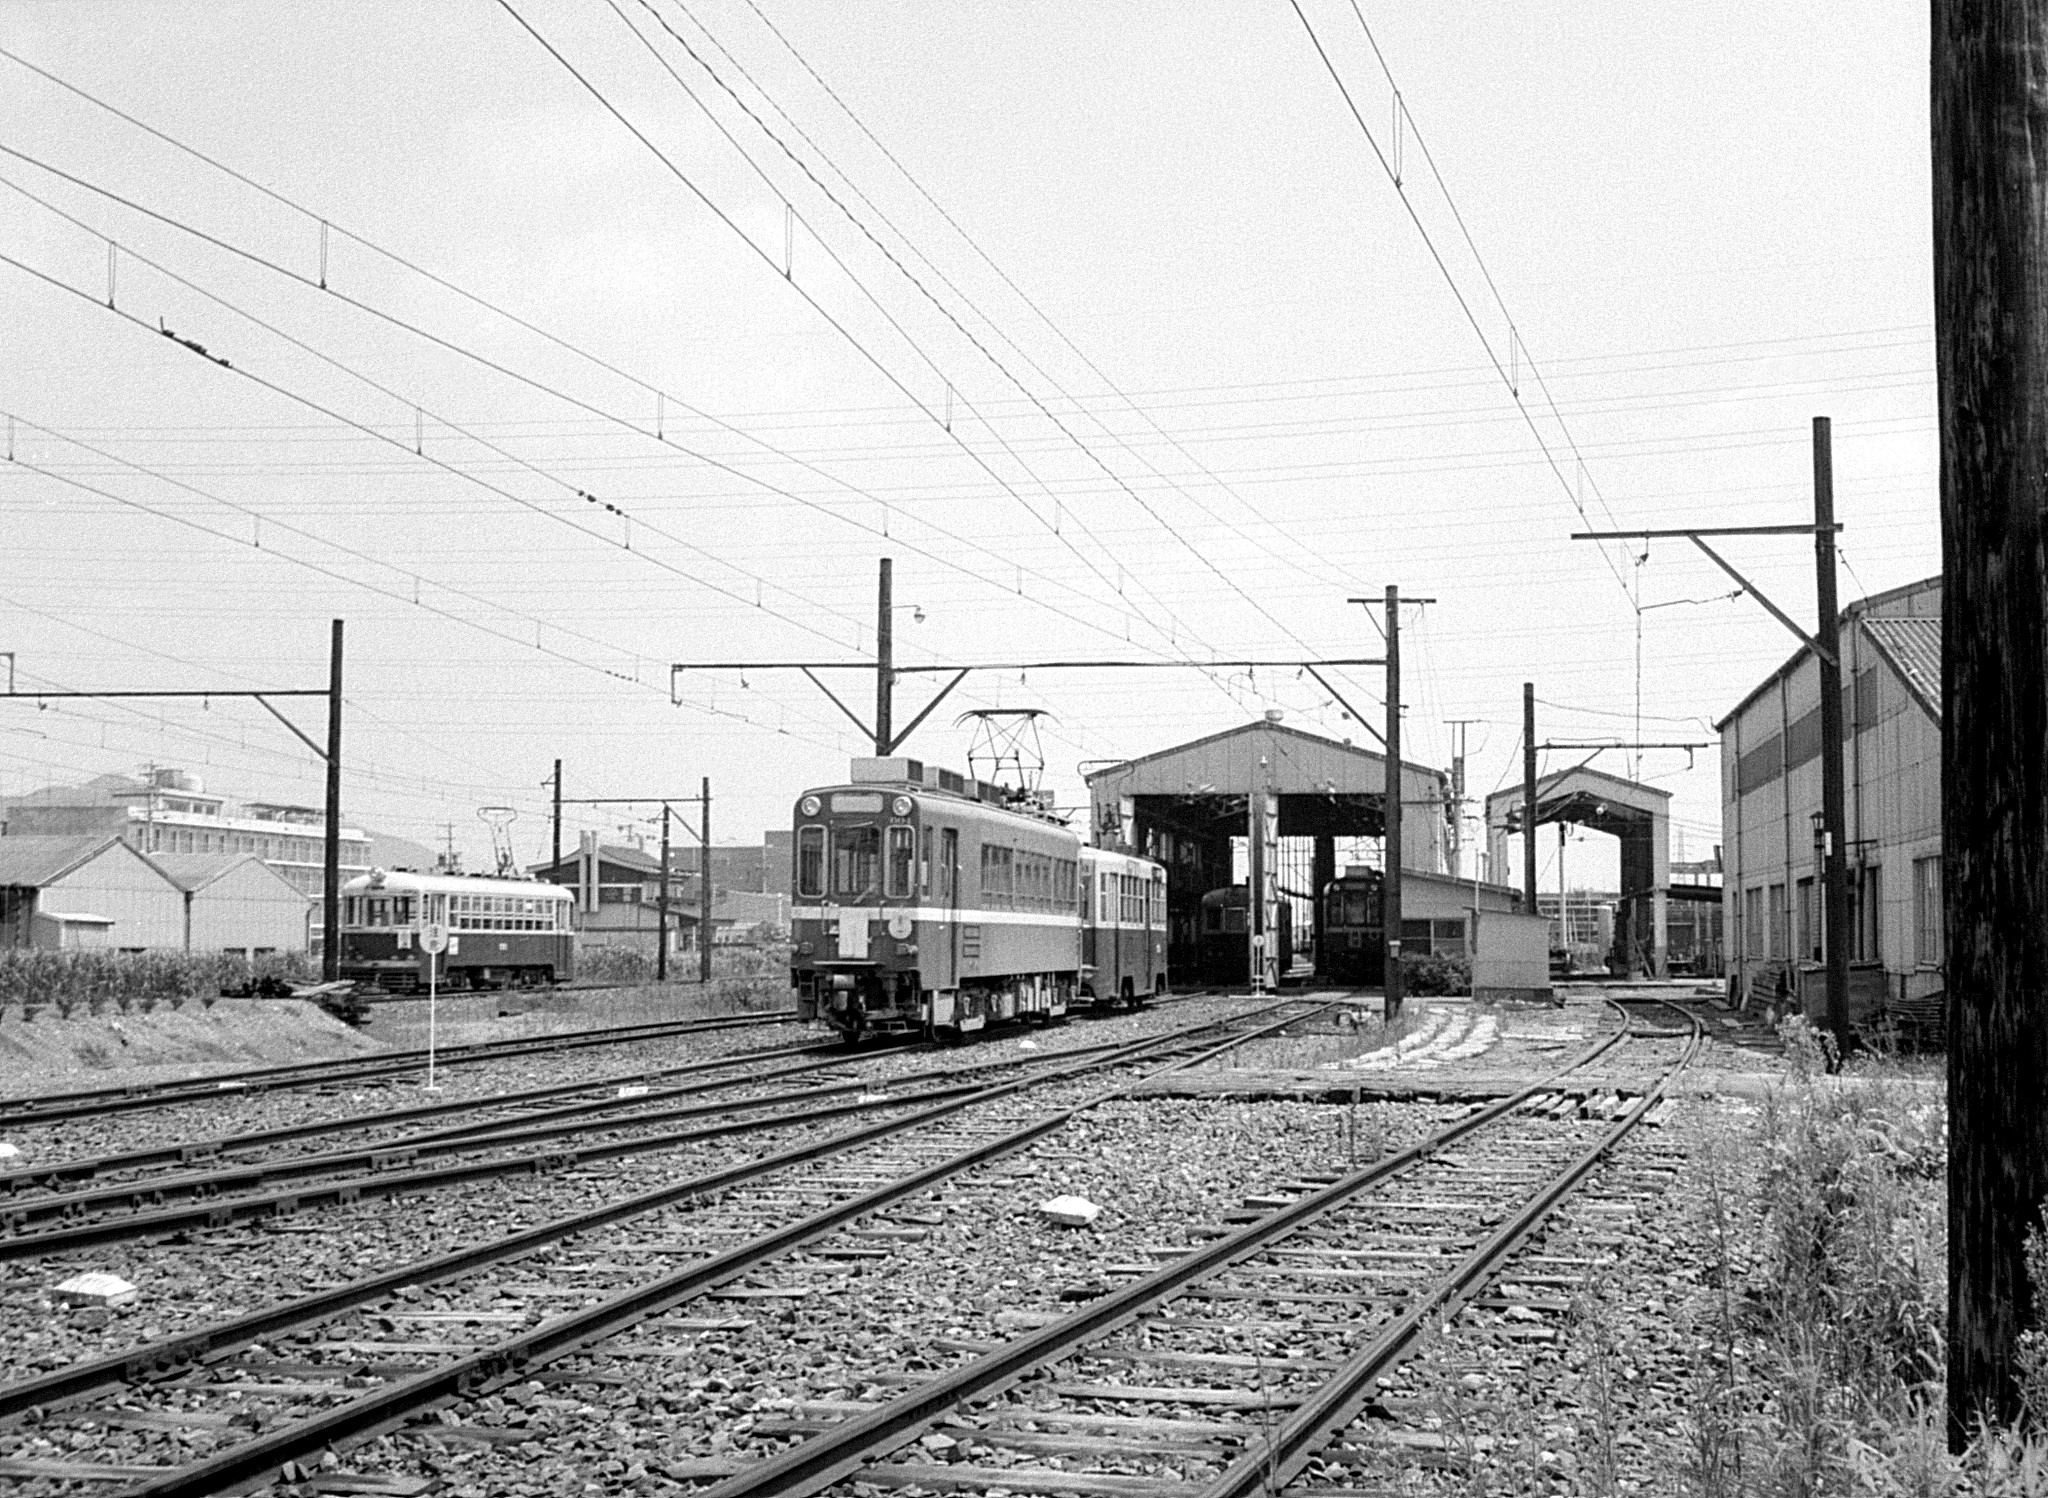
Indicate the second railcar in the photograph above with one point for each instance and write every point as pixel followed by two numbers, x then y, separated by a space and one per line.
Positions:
pixel 1354 929
pixel 1226 936
pixel 1123 928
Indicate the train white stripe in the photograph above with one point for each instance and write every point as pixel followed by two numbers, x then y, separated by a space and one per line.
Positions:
pixel 940 913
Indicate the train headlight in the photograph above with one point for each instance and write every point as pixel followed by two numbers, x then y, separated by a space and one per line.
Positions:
pixel 901 806
pixel 809 806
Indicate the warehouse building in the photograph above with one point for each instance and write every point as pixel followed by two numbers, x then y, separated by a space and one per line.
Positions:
pixel 88 892
pixel 237 904
pixel 1771 811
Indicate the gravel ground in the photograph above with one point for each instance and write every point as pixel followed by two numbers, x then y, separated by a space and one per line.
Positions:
pixel 1581 1371
pixel 234 1112
pixel 200 1276
pixel 976 1263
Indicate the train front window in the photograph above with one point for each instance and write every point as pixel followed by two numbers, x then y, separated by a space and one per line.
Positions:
pixel 902 860
pixel 856 860
pixel 810 862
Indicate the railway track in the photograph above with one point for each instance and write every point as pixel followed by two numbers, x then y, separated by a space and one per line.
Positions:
pixel 502 1147
pixel 95 1102
pixel 202 1387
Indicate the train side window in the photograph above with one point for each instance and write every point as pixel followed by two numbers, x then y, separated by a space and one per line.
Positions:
pixel 924 864
pixel 1105 910
pixel 949 865
pixel 902 862
pixel 856 860
pixel 810 862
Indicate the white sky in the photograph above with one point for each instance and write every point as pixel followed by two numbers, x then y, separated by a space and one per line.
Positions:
pixel 1707 223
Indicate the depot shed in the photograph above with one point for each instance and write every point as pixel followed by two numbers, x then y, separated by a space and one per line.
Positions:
pixel 1296 794
pixel 236 903
pixel 92 890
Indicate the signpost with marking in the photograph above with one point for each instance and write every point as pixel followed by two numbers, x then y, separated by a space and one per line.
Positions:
pixel 433 941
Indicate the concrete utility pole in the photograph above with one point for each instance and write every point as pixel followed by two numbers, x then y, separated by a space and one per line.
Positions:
pixel 1394 788
pixel 1990 70
pixel 1529 796
pixel 1834 869
pixel 555 868
pixel 330 909
pixel 704 885
pixel 885 663
pixel 661 906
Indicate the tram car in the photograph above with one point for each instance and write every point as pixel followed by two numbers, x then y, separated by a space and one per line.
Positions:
pixel 926 903
pixel 1226 939
pixel 502 933
pixel 1123 929
pixel 1354 929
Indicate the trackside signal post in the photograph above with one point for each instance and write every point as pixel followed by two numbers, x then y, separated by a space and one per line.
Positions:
pixel 1991 359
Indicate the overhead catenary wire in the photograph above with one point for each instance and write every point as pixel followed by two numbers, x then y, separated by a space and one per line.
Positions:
pixel 818 307
pixel 499 311
pixel 1457 292
pixel 1038 403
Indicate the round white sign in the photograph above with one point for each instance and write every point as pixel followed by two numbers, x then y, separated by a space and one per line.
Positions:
pixel 901 925
pixel 434 937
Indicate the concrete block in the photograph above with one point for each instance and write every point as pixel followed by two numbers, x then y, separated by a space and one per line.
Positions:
pixel 1070 1211
pixel 96 1288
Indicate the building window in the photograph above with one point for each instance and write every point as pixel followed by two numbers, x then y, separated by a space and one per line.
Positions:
pixel 1865 912
pixel 1927 911
pixel 1753 924
pixel 1778 946
pixel 1808 929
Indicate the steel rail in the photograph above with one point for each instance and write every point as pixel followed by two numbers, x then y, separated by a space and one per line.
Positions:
pixel 838 1454
pixel 1278 1457
pixel 382 1408
pixel 168 1354
pixel 390 1181
pixel 184 1151
pixel 556 1123
pixel 17 1111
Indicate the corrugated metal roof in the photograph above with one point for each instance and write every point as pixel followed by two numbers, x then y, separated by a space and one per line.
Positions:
pixel 32 862
pixel 1913 647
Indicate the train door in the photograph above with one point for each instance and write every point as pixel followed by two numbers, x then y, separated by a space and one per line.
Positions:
pixel 945 973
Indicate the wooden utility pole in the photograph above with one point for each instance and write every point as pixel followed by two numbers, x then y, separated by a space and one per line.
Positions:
pixel 1834 813
pixel 1395 785
pixel 1990 72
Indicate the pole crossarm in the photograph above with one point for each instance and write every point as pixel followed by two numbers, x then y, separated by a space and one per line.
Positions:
pixel 910 727
pixel 297 732
pixel 1693 534
pixel 1356 716
pixel 202 692
pixel 1617 744
pixel 1690 532
pixel 1072 665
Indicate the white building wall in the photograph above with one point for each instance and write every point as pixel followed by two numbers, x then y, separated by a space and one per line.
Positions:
pixel 147 909
pixel 247 909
